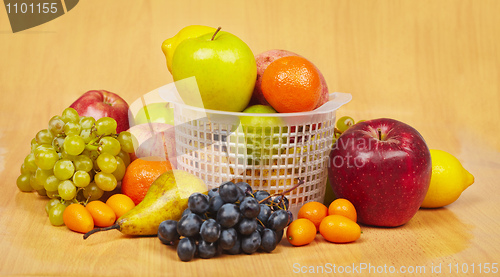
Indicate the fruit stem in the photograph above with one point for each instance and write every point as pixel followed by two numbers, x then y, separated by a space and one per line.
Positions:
pixel 379 134
pixel 115 226
pixel 164 145
pixel 301 181
pixel 91 147
pixel 216 31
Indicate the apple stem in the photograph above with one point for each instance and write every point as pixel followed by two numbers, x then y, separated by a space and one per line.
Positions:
pixel 379 134
pixel 164 141
pixel 216 31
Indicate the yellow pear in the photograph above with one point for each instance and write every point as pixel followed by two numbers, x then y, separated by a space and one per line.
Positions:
pixel 166 198
pixel 192 31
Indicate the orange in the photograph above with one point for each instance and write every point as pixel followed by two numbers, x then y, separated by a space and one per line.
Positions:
pixel 343 207
pixel 102 214
pixel 78 219
pixel 301 232
pixel 291 84
pixel 314 211
pixel 120 203
pixel 139 175
pixel 339 229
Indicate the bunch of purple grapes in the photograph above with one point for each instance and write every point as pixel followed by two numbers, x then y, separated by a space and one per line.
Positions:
pixel 231 219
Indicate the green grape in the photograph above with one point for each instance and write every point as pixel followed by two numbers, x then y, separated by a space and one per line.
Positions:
pixel 52 194
pixel 42 147
pixel 92 192
pixel 106 126
pixel 109 145
pixel 126 141
pixel 64 169
pixel 81 179
pixel 34 144
pixel 34 183
pixel 46 158
pixel 66 190
pixel 51 204
pixel 105 181
pixel 87 122
pixel 86 152
pixel 56 214
pixel 23 182
pixel 70 115
pixel 56 125
pixel 120 169
pixel 24 169
pixel 74 145
pixel 42 192
pixel 362 120
pixel 87 135
pixel 65 155
pixel 58 143
pixel 72 128
pixel 51 183
pixel 125 157
pixel 106 162
pixel 29 162
pixel 93 155
pixel 96 167
pixel 344 123
pixel 83 163
pixel 92 174
pixel 44 137
pixel 41 176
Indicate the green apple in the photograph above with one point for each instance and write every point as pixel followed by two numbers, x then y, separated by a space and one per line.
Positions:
pixel 169 45
pixel 155 112
pixel 224 68
pixel 262 137
pixel 260 125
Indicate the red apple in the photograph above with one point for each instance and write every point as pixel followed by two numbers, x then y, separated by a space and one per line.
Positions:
pixel 383 167
pixel 263 60
pixel 103 103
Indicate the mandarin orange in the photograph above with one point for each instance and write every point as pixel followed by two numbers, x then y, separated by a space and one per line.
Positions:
pixel 292 84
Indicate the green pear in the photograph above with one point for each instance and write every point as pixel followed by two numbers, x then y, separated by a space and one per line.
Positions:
pixel 166 198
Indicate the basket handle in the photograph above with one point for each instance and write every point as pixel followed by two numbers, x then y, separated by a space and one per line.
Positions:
pixel 335 101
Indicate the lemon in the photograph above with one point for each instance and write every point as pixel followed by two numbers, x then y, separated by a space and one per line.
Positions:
pixel 449 179
pixel 169 45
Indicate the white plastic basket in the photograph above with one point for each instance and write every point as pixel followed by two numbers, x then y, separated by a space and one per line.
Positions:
pixel 216 147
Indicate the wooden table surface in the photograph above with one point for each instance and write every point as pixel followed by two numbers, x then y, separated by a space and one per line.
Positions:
pixel 432 64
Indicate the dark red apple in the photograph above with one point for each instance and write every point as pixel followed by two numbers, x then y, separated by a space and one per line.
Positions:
pixel 383 166
pixel 103 103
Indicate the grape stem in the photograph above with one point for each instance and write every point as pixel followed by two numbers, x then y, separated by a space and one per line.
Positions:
pixel 337 131
pixel 301 181
pixel 115 226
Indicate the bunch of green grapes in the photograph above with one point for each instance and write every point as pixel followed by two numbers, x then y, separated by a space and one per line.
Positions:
pixel 75 160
